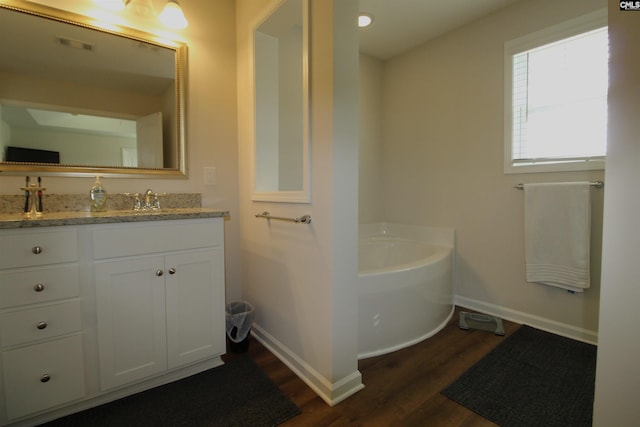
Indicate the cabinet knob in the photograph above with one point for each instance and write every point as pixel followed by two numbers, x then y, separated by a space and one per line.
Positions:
pixel 36 250
pixel 172 270
pixel 39 287
pixel 159 272
pixel 45 378
pixel 41 325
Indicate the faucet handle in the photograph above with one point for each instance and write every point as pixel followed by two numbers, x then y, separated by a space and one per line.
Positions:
pixel 137 203
pixel 156 200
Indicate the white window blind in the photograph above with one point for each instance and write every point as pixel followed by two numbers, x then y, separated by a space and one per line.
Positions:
pixel 556 104
pixel 560 100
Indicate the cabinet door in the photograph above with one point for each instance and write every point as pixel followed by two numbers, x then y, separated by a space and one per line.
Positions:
pixel 195 306
pixel 130 302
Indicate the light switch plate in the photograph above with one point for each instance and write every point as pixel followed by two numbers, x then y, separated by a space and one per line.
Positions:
pixel 209 175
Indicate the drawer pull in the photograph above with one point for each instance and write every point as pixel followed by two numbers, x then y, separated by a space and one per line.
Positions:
pixel 41 325
pixel 39 287
pixel 36 250
pixel 45 378
pixel 172 270
pixel 159 272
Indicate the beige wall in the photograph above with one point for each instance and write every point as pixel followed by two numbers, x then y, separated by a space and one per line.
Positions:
pixel 618 371
pixel 370 172
pixel 211 120
pixel 443 166
pixel 301 278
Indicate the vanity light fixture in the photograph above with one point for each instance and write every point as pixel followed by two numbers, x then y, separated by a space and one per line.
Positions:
pixel 172 15
pixel 365 20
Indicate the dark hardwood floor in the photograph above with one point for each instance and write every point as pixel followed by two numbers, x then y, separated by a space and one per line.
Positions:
pixel 401 388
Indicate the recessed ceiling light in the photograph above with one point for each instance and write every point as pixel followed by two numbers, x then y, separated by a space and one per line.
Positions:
pixel 364 20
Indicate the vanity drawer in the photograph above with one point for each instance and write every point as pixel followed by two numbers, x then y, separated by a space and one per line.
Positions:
pixel 38 285
pixel 23 326
pixel 138 239
pixel 25 249
pixel 43 375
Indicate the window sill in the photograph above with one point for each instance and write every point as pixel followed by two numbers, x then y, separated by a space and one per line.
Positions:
pixel 554 167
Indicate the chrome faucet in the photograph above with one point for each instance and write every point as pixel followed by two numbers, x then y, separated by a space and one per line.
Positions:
pixel 148 203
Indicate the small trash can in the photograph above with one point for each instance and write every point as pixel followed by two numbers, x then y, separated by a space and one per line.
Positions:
pixel 239 318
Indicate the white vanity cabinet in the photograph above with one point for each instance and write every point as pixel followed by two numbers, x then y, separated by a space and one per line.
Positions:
pixel 90 313
pixel 159 297
pixel 40 320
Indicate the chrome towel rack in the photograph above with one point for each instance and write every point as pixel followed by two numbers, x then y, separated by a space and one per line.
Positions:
pixel 596 184
pixel 304 219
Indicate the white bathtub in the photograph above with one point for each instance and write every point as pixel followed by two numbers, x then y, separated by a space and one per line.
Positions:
pixel 405 285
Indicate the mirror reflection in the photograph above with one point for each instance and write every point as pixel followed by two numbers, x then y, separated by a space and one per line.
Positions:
pixel 74 98
pixel 48 136
pixel 280 78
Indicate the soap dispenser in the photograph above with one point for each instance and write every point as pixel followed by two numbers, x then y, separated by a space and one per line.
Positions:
pixel 98 197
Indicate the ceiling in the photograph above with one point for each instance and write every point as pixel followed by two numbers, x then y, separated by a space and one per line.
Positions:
pixel 401 25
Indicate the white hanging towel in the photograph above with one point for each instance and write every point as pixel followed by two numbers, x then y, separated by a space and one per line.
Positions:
pixel 557 233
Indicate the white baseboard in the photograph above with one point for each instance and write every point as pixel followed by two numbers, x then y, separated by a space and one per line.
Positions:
pixel 331 393
pixel 334 393
pixel 558 328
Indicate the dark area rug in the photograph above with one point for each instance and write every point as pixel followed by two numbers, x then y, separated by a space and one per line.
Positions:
pixel 533 378
pixel 238 393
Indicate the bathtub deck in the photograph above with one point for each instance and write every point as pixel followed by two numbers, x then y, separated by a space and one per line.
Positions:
pixel 401 388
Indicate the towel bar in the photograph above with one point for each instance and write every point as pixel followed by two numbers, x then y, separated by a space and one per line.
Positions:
pixel 597 184
pixel 304 219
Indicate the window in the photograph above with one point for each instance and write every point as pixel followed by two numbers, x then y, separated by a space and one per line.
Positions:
pixel 556 97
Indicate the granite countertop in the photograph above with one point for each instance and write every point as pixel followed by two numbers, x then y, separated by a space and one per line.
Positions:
pixel 73 209
pixel 51 219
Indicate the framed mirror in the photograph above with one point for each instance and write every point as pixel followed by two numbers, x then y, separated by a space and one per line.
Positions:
pixel 280 57
pixel 78 99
